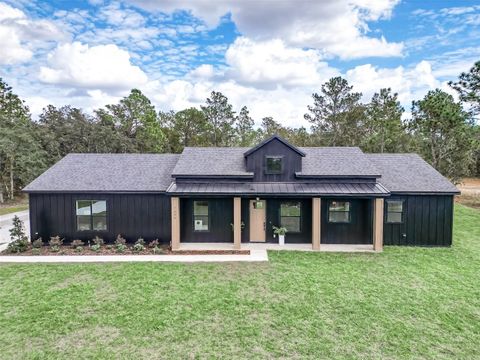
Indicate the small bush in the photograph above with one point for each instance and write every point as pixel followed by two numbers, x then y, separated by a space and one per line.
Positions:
pixel 95 247
pixel 55 241
pixel 18 246
pixel 79 249
pixel 157 250
pixel 54 248
pixel 109 247
pixel 18 237
pixel 37 244
pixel 140 241
pixel 35 251
pixel 138 247
pixel 153 244
pixel 121 248
pixel 120 240
pixel 98 241
pixel 77 243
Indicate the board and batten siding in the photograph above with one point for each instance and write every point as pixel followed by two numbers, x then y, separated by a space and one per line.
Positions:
pixel 428 221
pixel 132 215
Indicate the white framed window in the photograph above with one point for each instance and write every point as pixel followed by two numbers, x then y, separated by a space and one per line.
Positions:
pixel 200 216
pixel 91 215
pixel 339 212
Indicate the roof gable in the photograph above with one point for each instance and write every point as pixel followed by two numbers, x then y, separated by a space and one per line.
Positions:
pixel 270 139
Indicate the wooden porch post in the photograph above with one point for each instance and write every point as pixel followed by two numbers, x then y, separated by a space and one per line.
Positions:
pixel 316 222
pixel 378 224
pixel 175 223
pixel 237 223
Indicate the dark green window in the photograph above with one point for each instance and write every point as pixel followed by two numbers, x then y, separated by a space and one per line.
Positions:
pixel 339 212
pixel 91 215
pixel 394 211
pixel 200 216
pixel 273 164
pixel 290 215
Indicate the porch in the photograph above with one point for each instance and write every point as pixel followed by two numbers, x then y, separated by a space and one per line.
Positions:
pixel 192 232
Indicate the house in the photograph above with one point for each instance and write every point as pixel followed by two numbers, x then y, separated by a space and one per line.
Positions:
pixel 322 195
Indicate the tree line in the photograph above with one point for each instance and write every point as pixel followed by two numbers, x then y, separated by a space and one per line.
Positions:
pixel 442 130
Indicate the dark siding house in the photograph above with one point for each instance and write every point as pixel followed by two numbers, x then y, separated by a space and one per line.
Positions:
pixel 322 195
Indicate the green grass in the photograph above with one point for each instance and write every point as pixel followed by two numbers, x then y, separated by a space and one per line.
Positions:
pixel 12 209
pixel 404 303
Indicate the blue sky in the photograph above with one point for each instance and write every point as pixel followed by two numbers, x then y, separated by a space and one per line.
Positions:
pixel 268 55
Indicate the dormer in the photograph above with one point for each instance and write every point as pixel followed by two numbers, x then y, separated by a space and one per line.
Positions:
pixel 274 159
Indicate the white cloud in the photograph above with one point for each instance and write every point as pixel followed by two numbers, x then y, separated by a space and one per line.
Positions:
pixel 20 36
pixel 410 83
pixel 271 63
pixel 335 26
pixel 204 71
pixel 96 67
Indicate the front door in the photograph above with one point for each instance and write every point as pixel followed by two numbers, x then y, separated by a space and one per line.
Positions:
pixel 257 220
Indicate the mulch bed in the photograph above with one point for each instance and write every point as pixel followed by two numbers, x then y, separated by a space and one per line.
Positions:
pixel 66 250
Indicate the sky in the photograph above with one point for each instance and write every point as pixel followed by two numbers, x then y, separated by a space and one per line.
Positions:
pixel 269 55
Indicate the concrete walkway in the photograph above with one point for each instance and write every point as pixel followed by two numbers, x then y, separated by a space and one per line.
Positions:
pixel 255 256
pixel 6 224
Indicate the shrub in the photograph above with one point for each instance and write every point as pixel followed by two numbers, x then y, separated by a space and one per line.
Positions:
pixel 18 237
pixel 120 240
pixel 56 241
pixel 98 241
pixel 153 244
pixel 77 243
pixel 140 241
pixel 54 248
pixel 138 247
pixel 121 248
pixel 157 250
pixel 37 244
pixel 79 249
pixel 35 251
pixel 95 248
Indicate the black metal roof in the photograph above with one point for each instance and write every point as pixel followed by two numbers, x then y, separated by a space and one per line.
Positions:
pixel 258 188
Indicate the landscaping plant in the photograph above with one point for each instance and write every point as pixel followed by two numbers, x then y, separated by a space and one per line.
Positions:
pixel 139 245
pixel 55 243
pixel 19 240
pixel 37 244
pixel 120 244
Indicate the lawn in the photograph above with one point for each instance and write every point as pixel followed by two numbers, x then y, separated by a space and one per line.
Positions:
pixel 404 303
pixel 12 209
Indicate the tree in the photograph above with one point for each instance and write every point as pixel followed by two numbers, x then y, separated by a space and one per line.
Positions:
pixel 384 128
pixel 336 115
pixel 271 127
pixel 21 157
pixel 136 118
pixel 184 128
pixel 468 87
pixel 246 134
pixel 443 132
pixel 221 118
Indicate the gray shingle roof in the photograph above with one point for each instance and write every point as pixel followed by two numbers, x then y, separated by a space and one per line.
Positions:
pixel 344 189
pixel 336 161
pixel 211 161
pixel 410 173
pixel 107 172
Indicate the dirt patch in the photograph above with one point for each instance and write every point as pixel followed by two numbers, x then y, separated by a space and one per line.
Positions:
pixel 88 337
pixel 470 189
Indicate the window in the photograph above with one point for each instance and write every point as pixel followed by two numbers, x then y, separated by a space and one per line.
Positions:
pixel 290 215
pixel 91 215
pixel 394 211
pixel 339 212
pixel 273 164
pixel 200 215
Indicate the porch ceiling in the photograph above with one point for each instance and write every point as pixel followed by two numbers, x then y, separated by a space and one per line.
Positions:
pixel 258 188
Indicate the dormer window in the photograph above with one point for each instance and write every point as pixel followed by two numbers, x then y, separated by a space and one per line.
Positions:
pixel 273 164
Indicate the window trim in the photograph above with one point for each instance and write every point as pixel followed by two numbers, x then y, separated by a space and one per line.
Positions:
pixel 208 216
pixel 299 217
pixel 402 213
pixel 92 216
pixel 267 172
pixel 349 212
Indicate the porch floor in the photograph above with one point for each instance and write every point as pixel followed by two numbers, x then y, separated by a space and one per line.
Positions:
pixel 270 246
